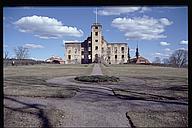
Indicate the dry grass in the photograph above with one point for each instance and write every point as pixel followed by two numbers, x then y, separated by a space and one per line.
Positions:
pixel 48 70
pixel 149 82
pixel 31 80
pixel 144 70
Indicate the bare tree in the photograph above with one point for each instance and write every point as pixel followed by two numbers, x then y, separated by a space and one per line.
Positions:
pixel 21 52
pixel 165 61
pixel 179 58
pixel 5 61
pixel 157 60
pixel 6 54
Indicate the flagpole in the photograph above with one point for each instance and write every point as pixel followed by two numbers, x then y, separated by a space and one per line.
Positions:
pixel 96 14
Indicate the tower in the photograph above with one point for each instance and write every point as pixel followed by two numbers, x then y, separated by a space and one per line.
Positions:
pixel 96 39
pixel 137 52
pixel 128 55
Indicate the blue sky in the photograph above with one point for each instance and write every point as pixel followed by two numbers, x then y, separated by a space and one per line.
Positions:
pixel 158 30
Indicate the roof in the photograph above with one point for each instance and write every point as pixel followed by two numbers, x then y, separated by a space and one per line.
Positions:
pixel 117 43
pixel 73 42
pixel 139 60
pixel 54 58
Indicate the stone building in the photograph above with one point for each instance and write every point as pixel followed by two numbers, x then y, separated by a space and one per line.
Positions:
pixel 96 49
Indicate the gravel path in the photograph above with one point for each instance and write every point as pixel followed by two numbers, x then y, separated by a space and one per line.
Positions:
pixel 96 70
pixel 92 108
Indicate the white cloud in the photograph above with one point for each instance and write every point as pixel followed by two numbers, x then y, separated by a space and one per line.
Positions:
pixel 70 41
pixel 3 18
pixel 184 42
pixel 158 53
pixel 165 21
pixel 5 46
pixel 161 54
pixel 164 43
pixel 107 11
pixel 182 49
pixel 167 49
pixel 46 28
pixel 32 46
pixel 35 58
pixel 144 9
pixel 145 28
pixel 132 50
pixel 166 55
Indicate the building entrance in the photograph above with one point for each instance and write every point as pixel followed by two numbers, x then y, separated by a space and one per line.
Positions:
pixel 96 58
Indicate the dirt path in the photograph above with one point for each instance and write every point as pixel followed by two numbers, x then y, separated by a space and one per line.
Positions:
pixel 91 109
pixel 96 70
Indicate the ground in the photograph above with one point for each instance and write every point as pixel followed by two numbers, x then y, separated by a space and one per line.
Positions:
pixel 48 96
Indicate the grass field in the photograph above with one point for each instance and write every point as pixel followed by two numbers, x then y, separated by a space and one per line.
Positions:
pixel 48 70
pixel 144 70
pixel 167 81
pixel 149 82
pixel 31 80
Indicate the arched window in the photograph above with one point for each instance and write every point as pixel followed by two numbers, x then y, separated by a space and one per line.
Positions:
pixel 96 47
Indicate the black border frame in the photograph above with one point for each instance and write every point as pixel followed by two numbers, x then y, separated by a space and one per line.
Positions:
pixel 65 3
pixel 92 2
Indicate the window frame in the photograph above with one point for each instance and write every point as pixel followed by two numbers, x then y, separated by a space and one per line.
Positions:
pixel 96 47
pixel 69 57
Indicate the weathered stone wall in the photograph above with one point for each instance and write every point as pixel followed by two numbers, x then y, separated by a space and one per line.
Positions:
pixel 116 54
pixel 73 53
pixel 96 34
pixel 104 49
pixel 86 53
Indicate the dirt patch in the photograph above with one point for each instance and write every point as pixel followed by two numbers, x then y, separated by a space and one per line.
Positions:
pixel 159 119
pixel 31 115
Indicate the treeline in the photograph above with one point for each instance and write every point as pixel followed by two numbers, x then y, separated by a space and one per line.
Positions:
pixel 168 65
pixel 178 58
pixel 160 64
pixel 17 62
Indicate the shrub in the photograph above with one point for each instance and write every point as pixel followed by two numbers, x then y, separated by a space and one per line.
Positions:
pixel 97 78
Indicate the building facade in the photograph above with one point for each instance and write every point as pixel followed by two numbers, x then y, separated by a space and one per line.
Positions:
pixel 95 49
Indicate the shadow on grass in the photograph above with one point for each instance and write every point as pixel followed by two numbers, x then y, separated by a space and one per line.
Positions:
pixel 40 114
pixel 94 96
pixel 91 95
pixel 149 97
pixel 178 88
